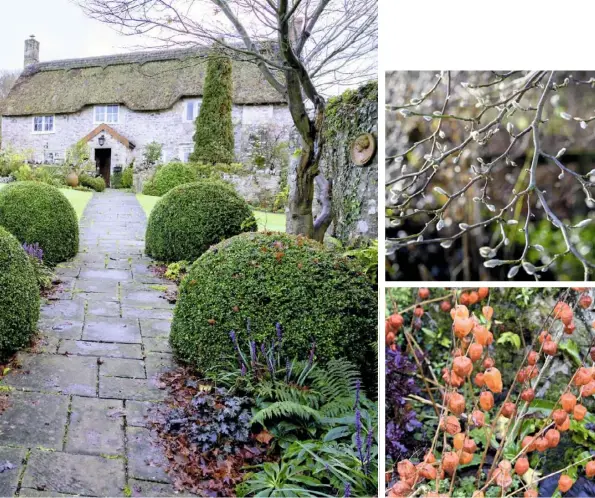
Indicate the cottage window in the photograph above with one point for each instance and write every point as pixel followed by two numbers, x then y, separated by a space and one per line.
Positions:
pixel 191 110
pixel 107 114
pixel 185 151
pixel 43 124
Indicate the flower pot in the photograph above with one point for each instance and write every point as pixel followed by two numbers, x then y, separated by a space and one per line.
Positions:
pixel 72 179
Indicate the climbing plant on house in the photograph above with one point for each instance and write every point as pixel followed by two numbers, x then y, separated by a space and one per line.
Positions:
pixel 213 138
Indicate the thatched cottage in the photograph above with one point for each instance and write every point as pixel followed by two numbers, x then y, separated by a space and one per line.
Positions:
pixel 120 103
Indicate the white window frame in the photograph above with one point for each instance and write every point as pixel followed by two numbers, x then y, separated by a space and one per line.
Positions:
pixel 195 110
pixel 104 112
pixel 185 149
pixel 57 156
pixel 45 121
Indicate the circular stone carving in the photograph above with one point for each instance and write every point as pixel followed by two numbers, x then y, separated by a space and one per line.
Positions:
pixel 363 149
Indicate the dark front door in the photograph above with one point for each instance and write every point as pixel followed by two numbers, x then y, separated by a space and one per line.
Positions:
pixel 103 162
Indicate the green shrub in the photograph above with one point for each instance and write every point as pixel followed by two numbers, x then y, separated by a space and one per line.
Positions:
pixel 95 183
pixel 169 176
pixel 213 138
pixel 192 217
pixel 10 161
pixel 315 294
pixel 127 177
pixel 36 212
pixel 19 296
pixel 116 179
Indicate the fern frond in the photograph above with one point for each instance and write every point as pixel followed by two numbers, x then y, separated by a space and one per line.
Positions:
pixel 285 409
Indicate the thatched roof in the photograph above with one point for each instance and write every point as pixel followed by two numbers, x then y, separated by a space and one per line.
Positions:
pixel 142 81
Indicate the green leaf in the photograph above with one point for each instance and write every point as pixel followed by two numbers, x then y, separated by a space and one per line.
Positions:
pixel 510 338
pixel 571 349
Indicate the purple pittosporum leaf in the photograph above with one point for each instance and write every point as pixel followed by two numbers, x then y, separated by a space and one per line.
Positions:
pixel 401 420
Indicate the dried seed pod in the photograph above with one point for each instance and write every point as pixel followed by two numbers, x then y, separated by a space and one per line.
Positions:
pixel 475 351
pixel 400 490
pixel 568 402
pixel 521 376
pixel 590 469
pixel 552 436
pixel 458 440
pixel 426 471
pixel 469 446
pixel 582 377
pixel 429 457
pixel 456 403
pixel 465 458
pixel 493 380
pixel 565 483
pixel 579 412
pixel 531 493
pixel 418 311
pixel 541 444
pixel 565 426
pixel 459 311
pixel 585 301
pixel 478 418
pixel 445 306
pixel 486 400
pixel 570 328
pixel 464 298
pixel 521 466
pixel 528 395
pixel 566 316
pixel 528 444
pixel 473 297
pixel 395 321
pixel 462 326
pixel 390 338
pixel 544 336
pixel 450 461
pixel 508 409
pixel 483 292
pixel 481 335
pixel 462 366
pixel 406 469
pixel 488 362
pixel 487 312
pixel 503 478
pixel 451 425
pixel 479 380
pixel 588 390
pixel 550 348
pixel 559 416
pixel 423 293
pixel 532 357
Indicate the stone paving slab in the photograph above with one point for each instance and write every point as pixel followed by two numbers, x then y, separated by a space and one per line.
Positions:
pixel 108 287
pixel 64 310
pixel 103 349
pixel 120 367
pixel 134 389
pixel 96 427
pixel 74 474
pixel 9 478
pixel 145 461
pixel 157 344
pixel 34 419
pixel 158 363
pixel 61 327
pixel 147 488
pixel 155 328
pixel 140 413
pixel 56 373
pixel 103 309
pixel 146 313
pixel 112 329
pixel 37 492
pixel 113 275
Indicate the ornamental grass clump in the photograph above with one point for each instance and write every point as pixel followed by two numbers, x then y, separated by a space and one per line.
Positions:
pixel 473 405
pixel 268 277
pixel 19 296
pixel 38 213
pixel 192 217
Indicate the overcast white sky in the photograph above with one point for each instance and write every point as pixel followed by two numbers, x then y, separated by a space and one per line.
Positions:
pixel 61 28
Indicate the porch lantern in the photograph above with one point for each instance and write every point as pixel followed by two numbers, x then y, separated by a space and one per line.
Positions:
pixel 101 140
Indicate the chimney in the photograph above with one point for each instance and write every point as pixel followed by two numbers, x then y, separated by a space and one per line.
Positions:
pixel 31 51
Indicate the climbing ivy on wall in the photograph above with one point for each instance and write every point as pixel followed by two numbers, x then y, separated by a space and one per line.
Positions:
pixel 347 116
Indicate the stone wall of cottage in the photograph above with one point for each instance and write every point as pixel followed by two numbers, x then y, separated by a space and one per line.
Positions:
pixel 168 127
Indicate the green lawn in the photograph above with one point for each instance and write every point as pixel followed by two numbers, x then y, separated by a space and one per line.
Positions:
pixel 274 222
pixel 77 198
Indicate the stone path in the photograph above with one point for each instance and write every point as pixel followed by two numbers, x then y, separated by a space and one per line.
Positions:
pixel 76 415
